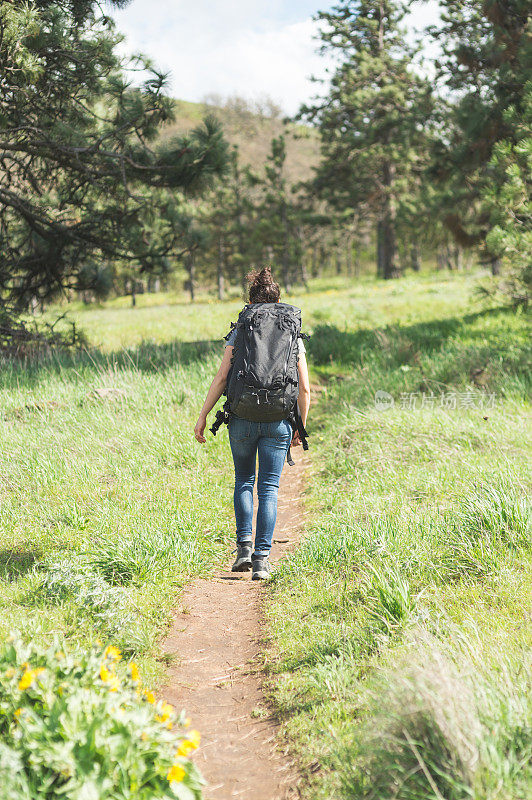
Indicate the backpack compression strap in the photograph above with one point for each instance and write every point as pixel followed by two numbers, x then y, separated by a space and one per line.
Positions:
pixel 297 425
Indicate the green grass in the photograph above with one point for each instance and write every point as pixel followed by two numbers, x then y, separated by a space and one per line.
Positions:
pixel 400 629
pixel 99 517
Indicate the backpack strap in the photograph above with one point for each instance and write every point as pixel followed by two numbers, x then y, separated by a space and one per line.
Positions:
pixel 222 418
pixel 297 425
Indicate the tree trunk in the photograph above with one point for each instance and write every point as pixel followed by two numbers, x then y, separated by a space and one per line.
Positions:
pixel 191 270
pixel 349 255
pixel 415 260
pixel 389 242
pixel 285 254
pixel 220 270
pixel 338 258
pixel 314 261
pixel 380 250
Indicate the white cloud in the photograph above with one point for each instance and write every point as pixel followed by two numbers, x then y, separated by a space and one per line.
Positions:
pixel 237 49
pixel 244 47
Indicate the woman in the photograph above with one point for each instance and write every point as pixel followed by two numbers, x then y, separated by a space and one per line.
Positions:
pixel 270 440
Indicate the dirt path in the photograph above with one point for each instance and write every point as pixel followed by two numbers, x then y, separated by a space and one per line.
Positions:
pixel 217 680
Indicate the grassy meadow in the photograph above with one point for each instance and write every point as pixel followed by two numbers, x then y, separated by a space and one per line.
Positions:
pixel 400 630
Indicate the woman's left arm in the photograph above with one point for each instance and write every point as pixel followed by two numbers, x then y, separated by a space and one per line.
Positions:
pixel 215 392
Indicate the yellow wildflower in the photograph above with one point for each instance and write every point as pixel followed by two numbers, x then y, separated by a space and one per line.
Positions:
pixel 113 683
pixel 166 710
pixel 176 773
pixel 135 674
pixel 150 697
pixel 188 745
pixel 18 712
pixel 28 677
pixel 105 674
pixel 195 738
pixel 112 652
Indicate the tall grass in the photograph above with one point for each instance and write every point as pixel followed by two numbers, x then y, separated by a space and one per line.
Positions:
pixel 105 493
pixel 400 628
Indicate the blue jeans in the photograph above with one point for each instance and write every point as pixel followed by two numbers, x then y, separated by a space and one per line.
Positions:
pixel 271 440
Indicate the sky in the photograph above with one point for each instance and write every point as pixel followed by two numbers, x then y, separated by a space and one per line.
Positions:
pixel 249 48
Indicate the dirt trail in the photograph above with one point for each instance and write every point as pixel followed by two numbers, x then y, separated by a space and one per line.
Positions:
pixel 217 679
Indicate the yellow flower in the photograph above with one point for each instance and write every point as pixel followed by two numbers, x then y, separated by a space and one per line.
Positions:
pixel 143 736
pixel 18 712
pixel 112 652
pixel 135 674
pixel 176 773
pixel 60 656
pixel 188 745
pixel 105 674
pixel 114 683
pixel 28 677
pixel 166 710
pixel 150 697
pixel 195 738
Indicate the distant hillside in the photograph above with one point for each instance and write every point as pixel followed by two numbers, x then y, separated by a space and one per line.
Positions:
pixel 252 128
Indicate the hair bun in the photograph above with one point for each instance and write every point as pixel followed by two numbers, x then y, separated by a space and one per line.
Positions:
pixel 262 286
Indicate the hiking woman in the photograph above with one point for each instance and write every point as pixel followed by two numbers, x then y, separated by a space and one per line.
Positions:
pixel 270 440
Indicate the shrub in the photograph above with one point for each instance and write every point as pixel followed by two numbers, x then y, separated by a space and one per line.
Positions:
pixel 79 726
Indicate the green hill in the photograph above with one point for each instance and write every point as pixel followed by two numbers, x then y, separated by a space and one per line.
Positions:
pixel 252 128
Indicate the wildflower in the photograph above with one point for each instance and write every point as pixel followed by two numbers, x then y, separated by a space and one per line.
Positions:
pixel 28 678
pixel 112 652
pixel 188 745
pixel 18 712
pixel 150 697
pixel 166 710
pixel 135 674
pixel 195 738
pixel 113 683
pixel 176 773
pixel 105 674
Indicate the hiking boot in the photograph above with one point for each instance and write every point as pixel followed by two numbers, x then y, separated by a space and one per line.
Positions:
pixel 243 558
pixel 261 568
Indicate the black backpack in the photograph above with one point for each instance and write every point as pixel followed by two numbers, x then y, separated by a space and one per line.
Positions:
pixel 263 382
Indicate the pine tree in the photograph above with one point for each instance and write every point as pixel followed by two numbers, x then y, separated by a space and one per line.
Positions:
pixel 485 67
pixel 372 121
pixel 83 174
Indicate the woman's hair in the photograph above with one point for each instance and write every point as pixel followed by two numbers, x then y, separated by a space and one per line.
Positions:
pixel 262 287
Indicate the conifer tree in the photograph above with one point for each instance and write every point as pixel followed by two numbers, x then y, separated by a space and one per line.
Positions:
pixel 83 173
pixel 372 122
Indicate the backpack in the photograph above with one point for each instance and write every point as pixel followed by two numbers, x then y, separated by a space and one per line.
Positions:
pixel 263 382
